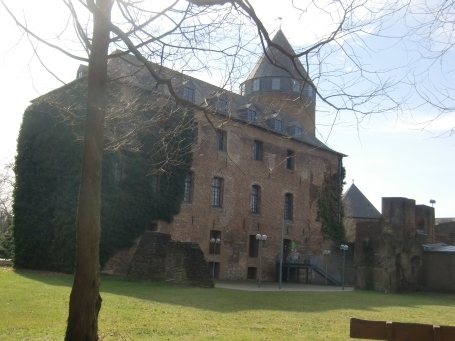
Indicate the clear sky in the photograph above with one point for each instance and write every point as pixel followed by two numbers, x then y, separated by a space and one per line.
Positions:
pixel 388 155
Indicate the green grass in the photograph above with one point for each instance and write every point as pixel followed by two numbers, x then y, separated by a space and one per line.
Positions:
pixel 33 306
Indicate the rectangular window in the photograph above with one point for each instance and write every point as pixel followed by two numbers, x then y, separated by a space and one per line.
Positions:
pixel 290 158
pixel 242 89
pixel 217 192
pixel 221 140
pixel 309 91
pixel 214 246
pixel 253 246
pixel 256 84
pixel 288 206
pixel 295 86
pixel 252 273
pixel 276 83
pixel 195 132
pixel 255 199
pixel 221 106
pixel 257 150
pixel 188 94
pixel 155 183
pixel 278 125
pixel 251 115
pixel 187 194
pixel 298 132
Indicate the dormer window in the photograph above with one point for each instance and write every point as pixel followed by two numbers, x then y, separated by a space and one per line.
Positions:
pixel 298 132
pixel 278 125
pixel 221 106
pixel 188 94
pixel 251 115
pixel 276 83
pixel 80 74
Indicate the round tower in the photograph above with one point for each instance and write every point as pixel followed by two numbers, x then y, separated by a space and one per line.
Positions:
pixel 280 84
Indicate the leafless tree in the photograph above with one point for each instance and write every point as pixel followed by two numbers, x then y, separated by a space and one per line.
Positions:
pixel 201 37
pixel 6 191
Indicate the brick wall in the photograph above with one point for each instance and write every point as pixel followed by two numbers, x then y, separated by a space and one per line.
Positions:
pixel 239 172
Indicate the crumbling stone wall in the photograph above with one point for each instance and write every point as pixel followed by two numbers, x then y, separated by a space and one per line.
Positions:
pixel 389 252
pixel 439 271
pixel 185 263
pixel 157 257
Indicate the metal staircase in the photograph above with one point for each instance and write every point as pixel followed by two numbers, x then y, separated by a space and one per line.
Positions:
pixel 319 265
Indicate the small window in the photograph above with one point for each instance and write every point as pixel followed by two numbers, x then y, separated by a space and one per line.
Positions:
pixel 295 86
pixel 288 206
pixel 309 91
pixel 256 84
pixel 298 132
pixel 257 150
pixel 278 125
pixel 221 140
pixel 242 89
pixel 247 88
pixel 252 273
pixel 187 194
pixel 276 84
pixel 253 246
pixel 118 171
pixel 188 94
pixel 155 183
pixel 214 234
pixel 221 106
pixel 255 199
pixel 80 74
pixel 251 115
pixel 195 132
pixel 290 158
pixel 217 192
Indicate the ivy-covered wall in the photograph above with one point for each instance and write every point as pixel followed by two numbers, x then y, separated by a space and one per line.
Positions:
pixel 47 169
pixel 330 208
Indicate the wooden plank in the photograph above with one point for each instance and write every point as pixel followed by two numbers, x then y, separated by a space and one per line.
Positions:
pixel 399 331
pixel 367 329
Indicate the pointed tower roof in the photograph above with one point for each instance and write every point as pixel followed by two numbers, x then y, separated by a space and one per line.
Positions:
pixel 356 205
pixel 264 68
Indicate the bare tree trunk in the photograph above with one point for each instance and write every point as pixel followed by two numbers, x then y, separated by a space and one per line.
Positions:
pixel 85 299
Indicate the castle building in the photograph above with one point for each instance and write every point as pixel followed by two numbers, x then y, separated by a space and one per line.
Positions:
pixel 257 169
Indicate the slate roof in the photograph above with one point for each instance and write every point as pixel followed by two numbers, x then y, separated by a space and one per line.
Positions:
pixel 356 205
pixel 438 247
pixel 130 69
pixel 264 68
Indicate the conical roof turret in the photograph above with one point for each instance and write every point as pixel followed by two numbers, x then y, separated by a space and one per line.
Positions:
pixel 283 64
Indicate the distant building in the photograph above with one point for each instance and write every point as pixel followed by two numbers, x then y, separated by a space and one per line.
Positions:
pixel 357 208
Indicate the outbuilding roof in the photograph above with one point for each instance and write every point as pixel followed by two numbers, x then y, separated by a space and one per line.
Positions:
pixel 356 205
pixel 438 247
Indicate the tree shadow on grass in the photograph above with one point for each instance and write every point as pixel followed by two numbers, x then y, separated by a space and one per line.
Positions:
pixel 225 300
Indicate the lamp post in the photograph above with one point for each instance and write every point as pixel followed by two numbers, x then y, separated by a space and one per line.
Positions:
pixel 326 253
pixel 260 238
pixel 214 242
pixel 344 248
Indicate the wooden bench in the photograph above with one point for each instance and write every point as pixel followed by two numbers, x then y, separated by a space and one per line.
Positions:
pixel 399 331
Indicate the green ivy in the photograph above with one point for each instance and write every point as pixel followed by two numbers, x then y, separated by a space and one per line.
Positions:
pixel 330 211
pixel 47 169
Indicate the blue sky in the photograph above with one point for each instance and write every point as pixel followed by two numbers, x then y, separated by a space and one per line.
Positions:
pixel 388 155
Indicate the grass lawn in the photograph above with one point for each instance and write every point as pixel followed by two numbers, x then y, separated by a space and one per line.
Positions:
pixel 33 306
